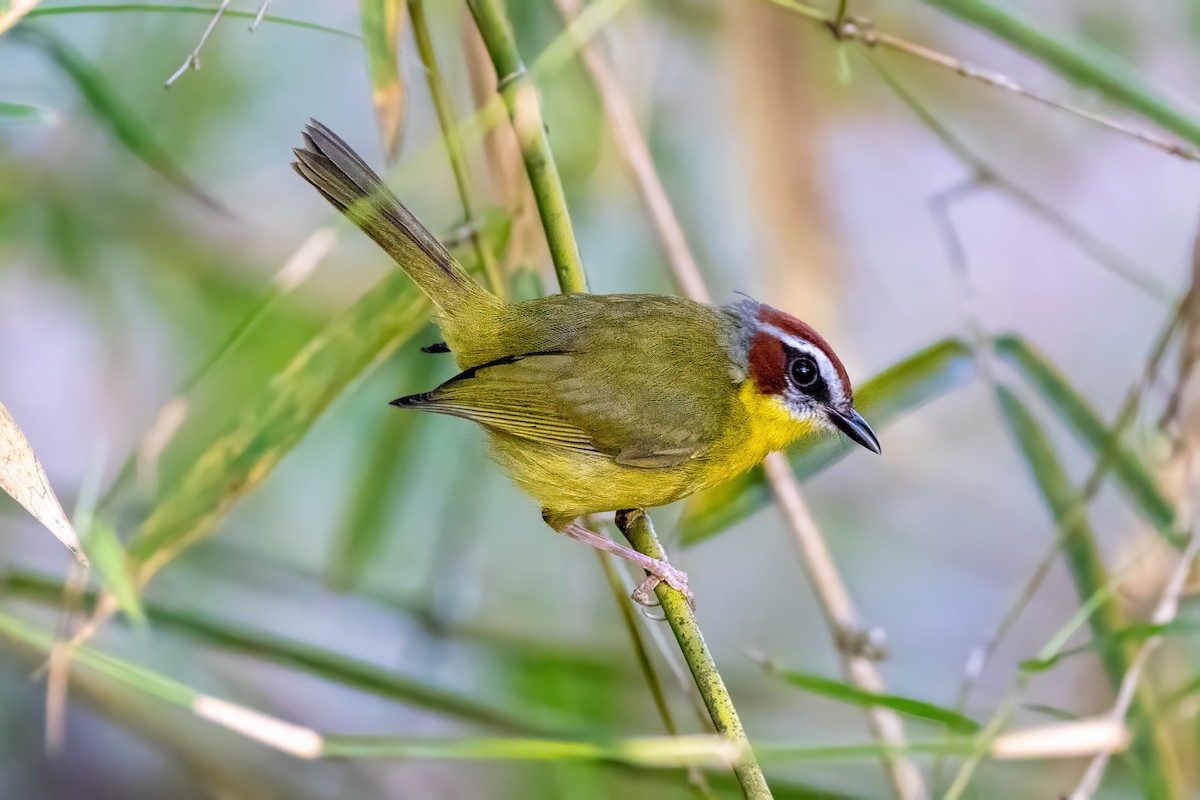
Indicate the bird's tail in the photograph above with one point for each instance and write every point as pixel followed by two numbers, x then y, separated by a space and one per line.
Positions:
pixel 341 175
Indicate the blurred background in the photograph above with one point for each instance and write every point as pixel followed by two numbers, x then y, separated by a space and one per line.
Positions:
pixel 142 232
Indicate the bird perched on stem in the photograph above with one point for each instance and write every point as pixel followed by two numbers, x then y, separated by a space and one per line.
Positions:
pixel 602 402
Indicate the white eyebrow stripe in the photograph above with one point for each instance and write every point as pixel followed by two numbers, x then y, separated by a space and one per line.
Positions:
pixel 833 379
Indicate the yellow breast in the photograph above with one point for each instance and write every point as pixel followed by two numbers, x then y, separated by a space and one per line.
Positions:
pixel 569 483
pixel 764 425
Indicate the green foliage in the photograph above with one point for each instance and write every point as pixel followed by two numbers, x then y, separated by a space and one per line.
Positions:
pixel 1079 416
pixel 256 439
pixel 1091 579
pixel 109 109
pixel 111 562
pixel 21 114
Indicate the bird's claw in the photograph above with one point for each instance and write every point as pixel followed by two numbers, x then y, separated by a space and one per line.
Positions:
pixel 643 595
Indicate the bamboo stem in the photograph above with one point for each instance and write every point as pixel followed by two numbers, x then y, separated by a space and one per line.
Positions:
pixel 640 533
pixel 443 106
pixel 520 97
pixel 524 110
pixel 835 601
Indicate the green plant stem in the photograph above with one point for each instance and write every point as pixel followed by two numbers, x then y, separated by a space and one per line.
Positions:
pixel 1077 62
pixel 524 110
pixel 640 533
pixel 443 106
pixel 207 11
pixel 318 662
pixel 521 100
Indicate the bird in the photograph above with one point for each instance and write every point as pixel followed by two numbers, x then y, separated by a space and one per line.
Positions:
pixel 598 403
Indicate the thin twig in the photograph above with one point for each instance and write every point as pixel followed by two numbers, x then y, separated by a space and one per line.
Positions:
pixel 863 31
pixel 524 110
pixel 262 12
pixel 1101 253
pixel 842 620
pixel 193 60
pixel 831 591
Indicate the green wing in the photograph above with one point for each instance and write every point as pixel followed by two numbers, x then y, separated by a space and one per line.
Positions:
pixel 578 401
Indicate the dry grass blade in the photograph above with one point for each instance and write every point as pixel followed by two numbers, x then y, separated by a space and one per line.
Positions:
pixel 382 26
pixel 1164 614
pixel 15 11
pixel 22 477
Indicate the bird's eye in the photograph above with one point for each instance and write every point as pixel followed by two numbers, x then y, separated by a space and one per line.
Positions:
pixel 805 373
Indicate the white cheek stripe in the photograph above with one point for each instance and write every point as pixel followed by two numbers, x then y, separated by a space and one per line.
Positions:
pixel 837 392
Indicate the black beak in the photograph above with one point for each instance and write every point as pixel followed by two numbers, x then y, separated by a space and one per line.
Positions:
pixel 853 425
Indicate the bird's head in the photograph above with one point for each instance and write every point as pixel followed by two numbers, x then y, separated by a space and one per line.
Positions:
pixel 795 368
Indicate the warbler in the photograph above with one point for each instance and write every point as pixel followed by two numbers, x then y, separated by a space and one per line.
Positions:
pixel 599 403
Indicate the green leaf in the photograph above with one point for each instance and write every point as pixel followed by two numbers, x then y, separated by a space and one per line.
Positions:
pixel 846 693
pixel 1077 62
pixel 111 110
pixel 930 373
pixel 1050 711
pixel 1073 408
pixel 526 284
pixel 1078 539
pixel 382 481
pixel 109 558
pixel 21 114
pixel 132 675
pixel 259 436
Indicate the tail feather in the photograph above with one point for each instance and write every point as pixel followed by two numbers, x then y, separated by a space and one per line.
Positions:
pixel 345 180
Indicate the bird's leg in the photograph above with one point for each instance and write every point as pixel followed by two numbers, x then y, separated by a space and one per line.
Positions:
pixel 658 571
